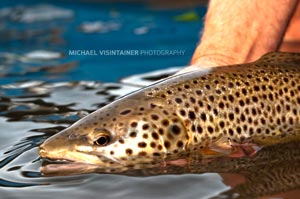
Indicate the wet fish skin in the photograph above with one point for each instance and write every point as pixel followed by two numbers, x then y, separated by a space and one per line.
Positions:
pixel 205 111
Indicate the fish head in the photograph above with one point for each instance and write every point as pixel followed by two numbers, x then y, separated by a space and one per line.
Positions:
pixel 126 132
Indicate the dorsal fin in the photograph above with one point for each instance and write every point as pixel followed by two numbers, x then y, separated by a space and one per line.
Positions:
pixel 280 58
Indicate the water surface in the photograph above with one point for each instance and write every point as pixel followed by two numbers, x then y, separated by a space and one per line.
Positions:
pixel 43 90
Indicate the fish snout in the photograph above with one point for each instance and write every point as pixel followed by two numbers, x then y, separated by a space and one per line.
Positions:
pixel 47 149
pixel 54 147
pixel 61 148
pixel 41 150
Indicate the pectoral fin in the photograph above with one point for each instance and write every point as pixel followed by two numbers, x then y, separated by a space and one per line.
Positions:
pixel 225 147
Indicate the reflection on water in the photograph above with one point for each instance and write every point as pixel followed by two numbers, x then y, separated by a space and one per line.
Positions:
pixel 43 90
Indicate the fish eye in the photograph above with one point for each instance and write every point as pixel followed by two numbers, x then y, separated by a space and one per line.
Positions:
pixel 102 140
pixel 103 137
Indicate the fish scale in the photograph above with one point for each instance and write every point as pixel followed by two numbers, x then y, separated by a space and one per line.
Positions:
pixel 210 110
pixel 255 106
pixel 256 102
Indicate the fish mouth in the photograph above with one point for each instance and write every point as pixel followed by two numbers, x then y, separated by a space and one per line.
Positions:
pixel 64 167
pixel 65 163
pixel 62 155
pixel 47 160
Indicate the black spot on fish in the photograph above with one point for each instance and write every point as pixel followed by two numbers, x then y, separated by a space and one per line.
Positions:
pixel 207 87
pixel 200 103
pixel 230 132
pixel 165 122
pixel 254 99
pixel 231 116
pixel 161 131
pixel 203 116
pixel 133 124
pixel 186 86
pixel 155 136
pixel 175 129
pixel 154 117
pixel 142 144
pixel 167 144
pixel 242 103
pixel 128 151
pixel 231 98
pixel 153 144
pixel 256 88
pixel 210 129
pixel 192 115
pixel 159 147
pixel 199 129
pixel 179 144
pixel 178 100
pixel 238 130
pixel 199 92
pixel 192 100
pixel 211 98
pixel 132 134
pixel 125 112
pixel 221 105
pixel 222 124
pixel 182 112
pixel 145 126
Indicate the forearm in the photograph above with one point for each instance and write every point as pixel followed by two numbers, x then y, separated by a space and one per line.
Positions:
pixel 238 31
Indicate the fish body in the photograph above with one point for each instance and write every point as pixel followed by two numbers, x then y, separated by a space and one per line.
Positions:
pixel 207 111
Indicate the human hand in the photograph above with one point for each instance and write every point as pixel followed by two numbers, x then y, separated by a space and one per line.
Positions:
pixel 207 61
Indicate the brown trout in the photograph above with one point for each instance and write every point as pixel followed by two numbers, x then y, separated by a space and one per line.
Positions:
pixel 223 111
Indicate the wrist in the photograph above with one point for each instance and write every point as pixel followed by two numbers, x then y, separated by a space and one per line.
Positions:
pixel 208 61
pixel 212 60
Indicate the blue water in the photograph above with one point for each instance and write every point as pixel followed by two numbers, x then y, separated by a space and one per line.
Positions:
pixel 163 33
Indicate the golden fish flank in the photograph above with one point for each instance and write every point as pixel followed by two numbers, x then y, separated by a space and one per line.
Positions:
pixel 254 103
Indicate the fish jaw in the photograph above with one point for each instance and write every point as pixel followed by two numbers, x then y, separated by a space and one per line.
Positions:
pixel 63 160
pixel 76 147
pixel 62 148
pixel 63 157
